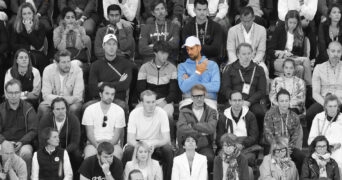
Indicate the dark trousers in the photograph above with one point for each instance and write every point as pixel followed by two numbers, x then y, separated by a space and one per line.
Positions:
pixel 163 154
pixel 259 111
pixel 314 109
pixel 75 161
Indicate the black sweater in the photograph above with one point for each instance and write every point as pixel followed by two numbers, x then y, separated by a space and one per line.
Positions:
pixel 213 40
pixel 100 71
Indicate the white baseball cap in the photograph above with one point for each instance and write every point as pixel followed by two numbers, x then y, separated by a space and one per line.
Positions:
pixel 191 41
pixel 108 37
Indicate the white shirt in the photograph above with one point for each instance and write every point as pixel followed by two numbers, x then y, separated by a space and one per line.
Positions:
pixel 61 78
pixel 93 116
pixel 289 41
pixel 60 125
pixel 247 35
pixel 198 113
pixel 148 128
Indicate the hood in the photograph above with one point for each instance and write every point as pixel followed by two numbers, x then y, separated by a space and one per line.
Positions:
pixel 228 114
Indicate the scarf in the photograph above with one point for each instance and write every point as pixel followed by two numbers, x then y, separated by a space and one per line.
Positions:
pixel 231 160
pixel 283 163
pixel 322 161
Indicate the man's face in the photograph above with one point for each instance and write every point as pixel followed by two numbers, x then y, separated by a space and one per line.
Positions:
pixel 106 158
pixel 64 64
pixel 236 101
pixel 149 103
pixel 197 97
pixel 194 51
pixel 7 152
pixel 334 52
pixel 13 94
pixel 247 21
pixel 161 56
pixel 108 94
pixel 59 110
pixel 159 12
pixel 110 47
pixel 201 11
pixel 114 17
pixel 245 55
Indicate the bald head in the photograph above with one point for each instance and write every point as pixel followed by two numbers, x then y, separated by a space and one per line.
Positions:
pixel 7 150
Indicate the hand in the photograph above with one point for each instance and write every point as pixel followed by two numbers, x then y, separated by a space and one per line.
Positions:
pixel 78 10
pixel 32 48
pixel 202 67
pixel 119 25
pixel 3 176
pixel 185 76
pixel 17 146
pixel 287 54
pixel 246 103
pixel 176 22
pixel 151 45
pixel 126 24
pixel 123 77
pixel 162 103
pixel 105 168
pixel 290 149
pixel 323 19
pixel 240 146
pixel 216 19
pixel 28 23
pixel 99 84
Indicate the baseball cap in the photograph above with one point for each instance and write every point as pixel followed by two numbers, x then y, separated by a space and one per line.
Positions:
pixel 107 37
pixel 191 41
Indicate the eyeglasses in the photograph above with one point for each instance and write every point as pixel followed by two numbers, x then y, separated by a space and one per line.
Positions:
pixel 104 124
pixel 197 96
pixel 283 150
pixel 321 147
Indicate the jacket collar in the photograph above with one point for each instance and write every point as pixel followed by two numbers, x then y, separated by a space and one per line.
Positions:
pixel 228 112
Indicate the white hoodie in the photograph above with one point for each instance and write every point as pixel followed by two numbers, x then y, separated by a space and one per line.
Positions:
pixel 239 129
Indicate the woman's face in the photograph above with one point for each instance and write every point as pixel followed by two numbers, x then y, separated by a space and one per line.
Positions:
pixel 288 69
pixel 280 152
pixel 27 13
pixel 190 144
pixel 332 108
pixel 23 59
pixel 292 24
pixel 70 18
pixel 335 14
pixel 54 139
pixel 321 147
pixel 228 148
pixel 284 102
pixel 142 154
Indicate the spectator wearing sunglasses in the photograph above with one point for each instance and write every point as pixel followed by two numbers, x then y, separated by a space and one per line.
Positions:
pixel 104 121
pixel 199 119
pixel 281 121
pixel 278 164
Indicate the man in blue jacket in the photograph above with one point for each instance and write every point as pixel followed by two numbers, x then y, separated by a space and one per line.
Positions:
pixel 197 69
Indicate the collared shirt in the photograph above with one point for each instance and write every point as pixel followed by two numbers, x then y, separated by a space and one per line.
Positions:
pixel 327 79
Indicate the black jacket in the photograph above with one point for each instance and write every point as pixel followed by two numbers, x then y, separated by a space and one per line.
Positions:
pixel 310 169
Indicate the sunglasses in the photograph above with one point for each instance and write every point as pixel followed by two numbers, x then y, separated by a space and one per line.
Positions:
pixel 197 96
pixel 283 150
pixel 104 124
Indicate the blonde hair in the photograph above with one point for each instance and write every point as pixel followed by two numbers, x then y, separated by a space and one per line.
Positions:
pixel 280 142
pixel 135 160
pixel 18 23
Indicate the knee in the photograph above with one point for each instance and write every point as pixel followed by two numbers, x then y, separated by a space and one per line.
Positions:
pixel 75 107
pixel 89 26
pixel 89 150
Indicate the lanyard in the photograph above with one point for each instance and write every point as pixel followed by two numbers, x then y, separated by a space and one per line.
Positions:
pixel 205 31
pixel 243 80
pixel 284 129
pixel 165 32
pixel 116 71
